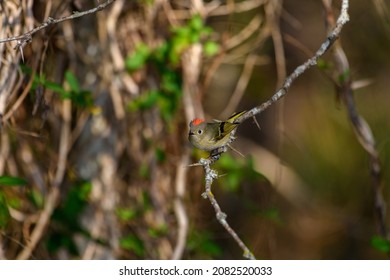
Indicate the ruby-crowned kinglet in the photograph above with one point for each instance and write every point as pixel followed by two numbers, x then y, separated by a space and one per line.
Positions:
pixel 211 136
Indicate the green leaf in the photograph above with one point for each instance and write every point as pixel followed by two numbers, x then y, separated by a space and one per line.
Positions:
pixel 196 23
pixel 160 155
pixel 26 69
pixel 210 48
pixel 233 181
pixel 72 81
pixel 158 231
pixel 159 54
pixel 12 181
pixel 211 248
pixel 36 198
pixel 145 101
pixel 138 59
pixel 381 244
pixel 66 219
pixel 234 173
pixel 181 32
pixel 171 83
pixel 15 202
pixel 76 200
pixel 237 172
pixel 144 170
pixel 56 240
pixel 72 207
pixel 273 214
pixel 82 98
pixel 84 190
pixel 201 242
pixel 126 214
pixel 194 38
pixel 132 243
pixel 179 45
pixel 323 64
pixel 344 76
pixel 251 173
pixel 66 95
pixel 206 30
pixel 4 212
pixel 55 87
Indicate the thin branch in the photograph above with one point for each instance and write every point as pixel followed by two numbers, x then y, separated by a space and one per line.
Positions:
pixel 4 151
pixel 252 27
pixel 21 98
pixel 2 252
pixel 118 62
pixel 242 84
pixel 180 211
pixel 53 196
pixel 273 11
pixel 214 8
pixel 332 37
pixel 221 216
pixel 240 7
pixel 360 126
pixel 27 37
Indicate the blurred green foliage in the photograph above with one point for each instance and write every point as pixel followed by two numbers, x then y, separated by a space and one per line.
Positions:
pixel 126 214
pixel 132 243
pixel 12 181
pixel 36 198
pixel 8 181
pixel 158 231
pixel 381 244
pixel 138 59
pixel 165 59
pixel 200 244
pixel 235 172
pixel 273 215
pixel 80 97
pixel 65 219
pixel 4 212
pixel 184 36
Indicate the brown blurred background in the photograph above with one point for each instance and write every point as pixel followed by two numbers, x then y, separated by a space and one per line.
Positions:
pixel 95 123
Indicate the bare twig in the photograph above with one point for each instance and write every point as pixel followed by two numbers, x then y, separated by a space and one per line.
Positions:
pixel 180 211
pixel 2 253
pixel 19 101
pixel 4 151
pixel 332 37
pixel 52 198
pixel 124 80
pixel 117 59
pixel 245 33
pixel 360 126
pixel 242 83
pixel 221 216
pixel 252 27
pixel 273 11
pixel 240 7
pixel 27 37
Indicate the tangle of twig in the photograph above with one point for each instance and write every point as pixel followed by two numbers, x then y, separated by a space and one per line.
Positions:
pixel 361 128
pixel 25 38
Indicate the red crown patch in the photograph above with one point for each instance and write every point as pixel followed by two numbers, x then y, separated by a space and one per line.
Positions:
pixel 197 121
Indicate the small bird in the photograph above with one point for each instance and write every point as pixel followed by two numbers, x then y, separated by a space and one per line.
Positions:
pixel 212 136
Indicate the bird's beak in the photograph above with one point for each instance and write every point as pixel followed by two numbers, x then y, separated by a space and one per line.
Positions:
pixel 190 133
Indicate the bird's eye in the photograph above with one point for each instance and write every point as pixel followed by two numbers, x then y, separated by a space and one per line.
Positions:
pixel 200 131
